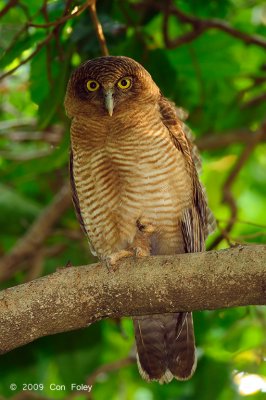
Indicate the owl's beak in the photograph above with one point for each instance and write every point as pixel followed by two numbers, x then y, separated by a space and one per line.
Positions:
pixel 109 101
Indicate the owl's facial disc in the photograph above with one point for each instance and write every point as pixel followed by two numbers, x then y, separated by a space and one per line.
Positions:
pixel 109 100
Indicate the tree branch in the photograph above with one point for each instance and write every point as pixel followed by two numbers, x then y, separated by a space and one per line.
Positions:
pixel 228 197
pixel 98 28
pixel 47 39
pixel 199 26
pixel 27 246
pixel 7 7
pixel 112 366
pixel 72 298
pixel 75 13
pixel 39 46
pixel 261 98
pixel 217 141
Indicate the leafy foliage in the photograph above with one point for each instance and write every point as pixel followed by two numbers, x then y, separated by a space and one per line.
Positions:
pixel 221 82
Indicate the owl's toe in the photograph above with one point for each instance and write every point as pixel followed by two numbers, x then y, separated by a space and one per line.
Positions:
pixel 111 261
pixel 142 252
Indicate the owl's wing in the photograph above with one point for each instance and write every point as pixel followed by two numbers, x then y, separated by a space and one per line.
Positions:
pixel 197 221
pixel 182 115
pixel 75 200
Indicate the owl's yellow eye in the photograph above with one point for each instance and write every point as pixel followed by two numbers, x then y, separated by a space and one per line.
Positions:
pixel 92 85
pixel 124 83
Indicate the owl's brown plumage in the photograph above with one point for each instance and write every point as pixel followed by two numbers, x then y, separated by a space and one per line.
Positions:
pixel 136 190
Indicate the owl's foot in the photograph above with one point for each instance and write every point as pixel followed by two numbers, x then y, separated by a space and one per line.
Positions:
pixel 141 252
pixel 111 260
pixel 140 246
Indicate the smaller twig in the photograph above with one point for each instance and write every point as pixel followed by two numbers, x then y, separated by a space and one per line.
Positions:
pixel 44 11
pixel 240 221
pixel 14 124
pixel 48 49
pixel 98 27
pixel 61 20
pixel 26 156
pixel 201 25
pixel 256 82
pixel 39 46
pixel 225 232
pixel 214 141
pixel 113 366
pixel 27 395
pixel 25 9
pixel 186 38
pixel 250 236
pixel 15 38
pixel 44 42
pixel 9 5
pixel 130 22
pixel 255 101
pixel 52 136
pixel 60 51
pixel 104 369
pixel 29 24
pixel 227 193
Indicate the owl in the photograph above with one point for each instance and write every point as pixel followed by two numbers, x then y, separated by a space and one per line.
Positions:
pixel 136 191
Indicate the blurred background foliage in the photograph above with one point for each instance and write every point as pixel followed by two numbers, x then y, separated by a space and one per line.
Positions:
pixel 219 78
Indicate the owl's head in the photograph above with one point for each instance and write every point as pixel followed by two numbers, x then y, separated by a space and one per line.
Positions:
pixel 109 85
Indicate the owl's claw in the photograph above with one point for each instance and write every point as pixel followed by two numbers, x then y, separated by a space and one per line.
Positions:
pixel 112 260
pixel 140 252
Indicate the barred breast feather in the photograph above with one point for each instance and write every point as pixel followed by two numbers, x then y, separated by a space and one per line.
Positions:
pixel 123 175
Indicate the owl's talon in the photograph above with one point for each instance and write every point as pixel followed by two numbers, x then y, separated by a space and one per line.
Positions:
pixel 112 260
pixel 139 252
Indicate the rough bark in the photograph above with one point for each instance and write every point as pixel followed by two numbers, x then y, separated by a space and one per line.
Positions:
pixel 74 297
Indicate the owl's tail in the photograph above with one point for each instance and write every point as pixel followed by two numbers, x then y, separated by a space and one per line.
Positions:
pixel 165 346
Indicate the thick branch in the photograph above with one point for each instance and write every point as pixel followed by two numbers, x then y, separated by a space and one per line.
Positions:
pixel 72 298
